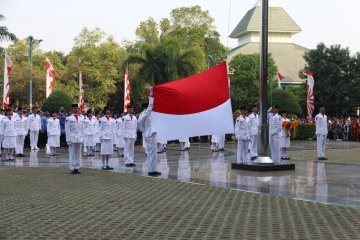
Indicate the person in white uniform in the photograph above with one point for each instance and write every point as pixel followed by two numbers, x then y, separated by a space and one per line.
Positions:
pixel 214 143
pixel 161 145
pixel 53 133
pixel 21 126
pixel 321 133
pixel 90 124
pixel 184 144
pixel 34 128
pixel 284 136
pixel 242 134
pixel 120 136
pixel 254 132
pixel 74 138
pixel 149 133
pixel 129 131
pixel 274 132
pixel 107 131
pixel 8 132
pixel 221 143
pixel 97 133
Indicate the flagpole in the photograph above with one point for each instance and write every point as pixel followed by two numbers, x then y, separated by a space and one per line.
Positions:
pixel 5 72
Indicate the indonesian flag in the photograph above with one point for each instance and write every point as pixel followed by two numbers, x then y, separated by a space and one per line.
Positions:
pixel 280 78
pixel 50 74
pixel 127 87
pixel 310 94
pixel 194 106
pixel 7 69
pixel 81 90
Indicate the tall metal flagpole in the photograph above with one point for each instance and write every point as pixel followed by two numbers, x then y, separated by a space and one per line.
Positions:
pixel 264 135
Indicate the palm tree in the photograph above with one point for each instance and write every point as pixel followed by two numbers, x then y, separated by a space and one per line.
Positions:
pixel 4 33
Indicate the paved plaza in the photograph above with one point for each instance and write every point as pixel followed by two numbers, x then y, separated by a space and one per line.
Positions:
pixel 198 196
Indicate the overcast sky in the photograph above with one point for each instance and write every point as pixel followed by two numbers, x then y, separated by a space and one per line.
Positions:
pixel 58 22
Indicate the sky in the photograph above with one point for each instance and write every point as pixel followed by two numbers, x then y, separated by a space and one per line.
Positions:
pixel 58 22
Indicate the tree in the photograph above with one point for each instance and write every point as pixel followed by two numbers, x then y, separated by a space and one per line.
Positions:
pixel 4 32
pixel 56 100
pixel 336 74
pixel 244 83
pixel 286 101
pixel 148 32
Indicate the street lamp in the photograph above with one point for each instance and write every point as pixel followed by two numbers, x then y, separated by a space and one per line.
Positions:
pixel 31 42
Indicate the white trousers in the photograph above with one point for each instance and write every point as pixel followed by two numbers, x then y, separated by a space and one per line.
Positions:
pixel 221 143
pixel 254 145
pixel 34 136
pixel 151 146
pixel 320 140
pixel 274 142
pixel 74 156
pixel 242 151
pixel 129 150
pixel 20 144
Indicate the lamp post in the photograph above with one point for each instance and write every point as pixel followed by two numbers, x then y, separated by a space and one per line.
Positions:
pixel 31 42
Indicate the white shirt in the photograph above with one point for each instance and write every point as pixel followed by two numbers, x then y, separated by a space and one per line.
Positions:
pixel 120 123
pixel 129 126
pixel 74 129
pixel 21 125
pixel 242 128
pixel 34 122
pixel 90 126
pixel 254 123
pixel 146 121
pixel 106 128
pixel 321 124
pixel 8 127
pixel 53 127
pixel 274 124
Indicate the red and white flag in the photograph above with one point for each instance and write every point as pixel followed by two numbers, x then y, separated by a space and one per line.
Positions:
pixel 50 74
pixel 310 94
pixel 280 78
pixel 7 69
pixel 127 87
pixel 194 106
pixel 81 90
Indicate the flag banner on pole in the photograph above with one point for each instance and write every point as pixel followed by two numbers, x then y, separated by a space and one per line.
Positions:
pixel 50 74
pixel 81 89
pixel 7 69
pixel 127 88
pixel 310 101
pixel 194 106
pixel 280 78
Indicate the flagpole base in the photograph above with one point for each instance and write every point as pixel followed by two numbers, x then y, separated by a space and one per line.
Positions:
pixel 264 160
pixel 263 167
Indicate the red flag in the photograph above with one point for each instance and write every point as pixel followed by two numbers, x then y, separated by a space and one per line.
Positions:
pixel 7 69
pixel 280 78
pixel 81 89
pixel 127 98
pixel 194 106
pixel 50 74
pixel 310 101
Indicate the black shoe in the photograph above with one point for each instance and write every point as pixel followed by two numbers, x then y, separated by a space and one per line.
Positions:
pixel 253 158
pixel 287 158
pixel 156 173
pixel 18 155
pixel 72 172
pixel 22 155
pixel 322 158
pixel 56 154
pixel 127 164
pixel 109 168
pixel 283 158
pixel 122 155
pixel 222 150
pixel 187 148
pixel 52 155
pixel 77 171
pixel 132 164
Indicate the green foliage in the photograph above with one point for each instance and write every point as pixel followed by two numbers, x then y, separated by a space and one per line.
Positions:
pixel 300 96
pixel 286 101
pixel 244 83
pixel 337 77
pixel 304 132
pixel 4 32
pixel 148 32
pixel 56 100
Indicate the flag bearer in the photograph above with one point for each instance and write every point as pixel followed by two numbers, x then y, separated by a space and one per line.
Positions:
pixel 129 131
pixel 34 127
pixel 107 131
pixel 242 134
pixel 53 133
pixel 285 135
pixel 254 132
pixel 21 126
pixel 90 124
pixel 274 133
pixel 321 132
pixel 8 132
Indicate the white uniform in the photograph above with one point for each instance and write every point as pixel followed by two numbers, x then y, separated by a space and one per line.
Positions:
pixel 147 125
pixel 274 136
pixel 120 136
pixel 242 134
pixel 254 134
pixel 161 145
pixel 1 136
pixel 90 125
pixel 214 142
pixel 21 126
pixel 74 138
pixel 97 136
pixel 53 134
pixel 34 127
pixel 284 140
pixel 9 136
pixel 129 133
pixel 107 130
pixel 184 144
pixel 321 133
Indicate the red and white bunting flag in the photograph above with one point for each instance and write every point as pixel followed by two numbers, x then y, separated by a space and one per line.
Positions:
pixel 194 106
pixel 81 90
pixel 7 69
pixel 127 87
pixel 50 74
pixel 310 102
pixel 280 78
